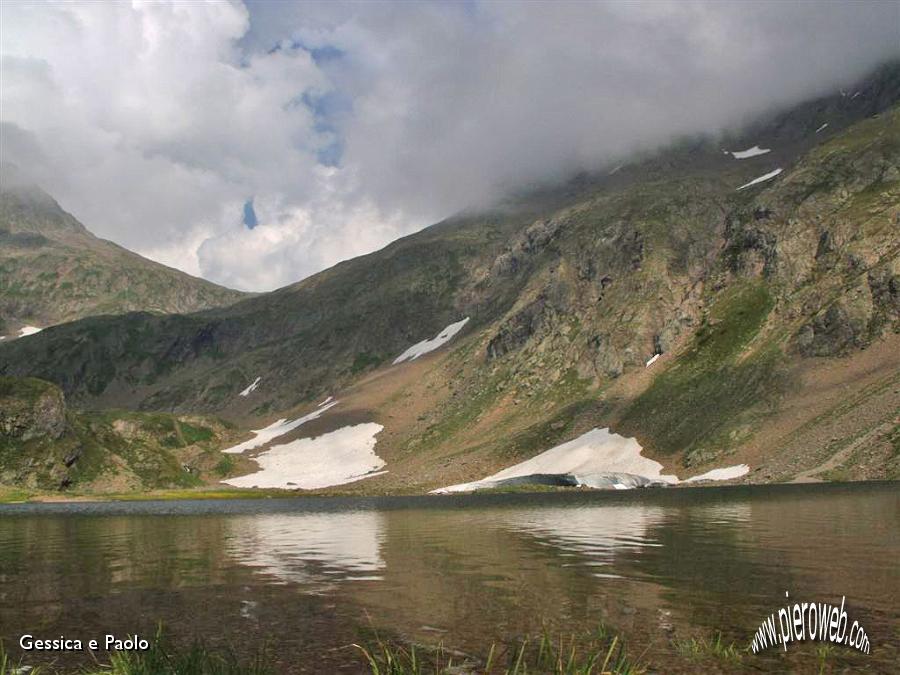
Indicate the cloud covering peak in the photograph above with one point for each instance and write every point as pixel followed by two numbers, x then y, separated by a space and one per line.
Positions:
pixel 351 124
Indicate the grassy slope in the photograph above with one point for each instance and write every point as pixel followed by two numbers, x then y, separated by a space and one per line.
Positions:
pixel 52 270
pixel 721 378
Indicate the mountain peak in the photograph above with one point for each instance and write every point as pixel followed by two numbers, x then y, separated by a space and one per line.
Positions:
pixel 26 207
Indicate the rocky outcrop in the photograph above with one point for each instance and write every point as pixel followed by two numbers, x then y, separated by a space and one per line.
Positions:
pixel 30 408
pixel 884 283
pixel 750 250
pixel 831 333
pixel 532 241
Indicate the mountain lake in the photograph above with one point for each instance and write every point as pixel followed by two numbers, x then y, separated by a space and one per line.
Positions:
pixel 303 580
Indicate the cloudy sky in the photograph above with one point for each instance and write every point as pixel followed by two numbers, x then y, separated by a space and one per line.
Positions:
pixel 254 143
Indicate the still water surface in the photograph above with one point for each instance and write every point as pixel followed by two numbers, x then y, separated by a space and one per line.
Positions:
pixel 309 577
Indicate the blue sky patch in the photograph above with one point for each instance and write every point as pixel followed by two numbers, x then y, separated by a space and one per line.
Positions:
pixel 250 215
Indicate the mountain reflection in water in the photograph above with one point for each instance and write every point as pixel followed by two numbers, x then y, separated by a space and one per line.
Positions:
pixel 309 577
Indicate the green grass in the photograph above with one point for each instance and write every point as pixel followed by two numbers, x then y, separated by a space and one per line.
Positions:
pixel 594 655
pixel 10 494
pixel 699 649
pixel 699 398
pixel 225 466
pixel 365 361
pixel 192 434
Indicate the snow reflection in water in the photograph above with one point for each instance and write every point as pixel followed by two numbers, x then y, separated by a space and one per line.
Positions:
pixel 310 548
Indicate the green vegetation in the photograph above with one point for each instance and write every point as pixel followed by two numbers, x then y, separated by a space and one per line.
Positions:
pixel 365 361
pixel 597 654
pixel 191 434
pixel 225 466
pixel 45 447
pixel 703 648
pixel 701 396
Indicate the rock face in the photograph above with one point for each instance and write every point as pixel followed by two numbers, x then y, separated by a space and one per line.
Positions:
pixel 29 409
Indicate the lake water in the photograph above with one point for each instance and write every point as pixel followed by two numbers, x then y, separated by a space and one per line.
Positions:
pixel 308 577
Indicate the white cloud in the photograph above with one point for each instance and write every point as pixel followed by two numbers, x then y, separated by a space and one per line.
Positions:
pixel 154 122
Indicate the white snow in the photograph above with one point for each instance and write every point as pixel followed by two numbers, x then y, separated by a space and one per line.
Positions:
pixel 761 179
pixel 338 457
pixel 29 330
pixel 615 170
pixel 591 456
pixel 821 128
pixel 855 95
pixel 750 152
pixel 426 346
pixel 652 360
pixel 274 430
pixel 724 473
pixel 597 451
pixel 326 401
pixel 249 390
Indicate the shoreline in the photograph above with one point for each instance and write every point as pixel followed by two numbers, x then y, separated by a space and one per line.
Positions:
pixel 252 495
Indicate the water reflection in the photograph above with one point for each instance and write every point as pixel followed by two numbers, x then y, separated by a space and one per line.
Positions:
pixel 309 548
pixel 650 567
pixel 597 533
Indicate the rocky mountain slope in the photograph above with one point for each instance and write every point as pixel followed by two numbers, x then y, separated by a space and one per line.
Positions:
pixel 718 303
pixel 53 270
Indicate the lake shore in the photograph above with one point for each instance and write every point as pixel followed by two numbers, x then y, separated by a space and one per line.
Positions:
pixel 11 495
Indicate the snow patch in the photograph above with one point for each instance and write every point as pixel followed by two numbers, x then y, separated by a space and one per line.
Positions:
pixel 725 473
pixel 615 170
pixel 326 401
pixel 652 360
pixel 855 95
pixel 249 390
pixel 598 459
pixel 426 346
pixel 761 179
pixel 822 128
pixel 596 452
pixel 750 152
pixel 274 430
pixel 29 330
pixel 338 457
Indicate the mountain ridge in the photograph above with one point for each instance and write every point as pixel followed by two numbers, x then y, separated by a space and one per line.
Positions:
pixel 658 300
pixel 53 270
